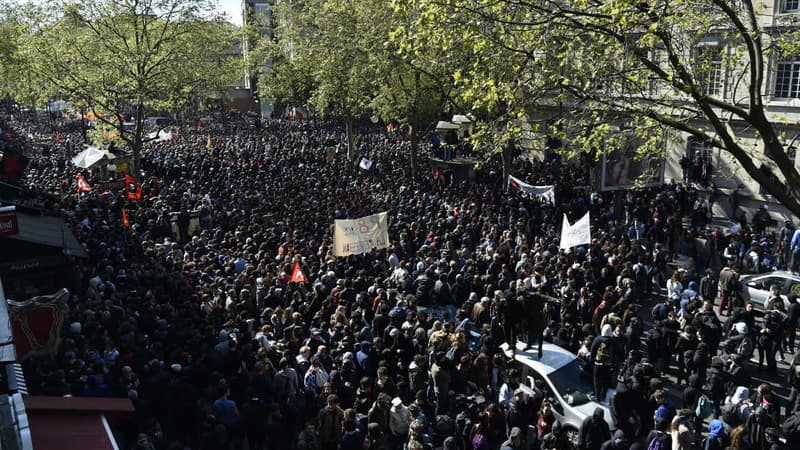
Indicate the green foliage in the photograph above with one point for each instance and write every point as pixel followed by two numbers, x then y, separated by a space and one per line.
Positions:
pixel 580 66
pixel 18 59
pixel 120 57
pixel 346 58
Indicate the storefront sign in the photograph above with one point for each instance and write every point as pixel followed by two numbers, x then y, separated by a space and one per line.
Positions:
pixel 8 221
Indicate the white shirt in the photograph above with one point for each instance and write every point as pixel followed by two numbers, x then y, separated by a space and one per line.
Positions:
pixel 674 289
pixel 399 420
pixel 506 395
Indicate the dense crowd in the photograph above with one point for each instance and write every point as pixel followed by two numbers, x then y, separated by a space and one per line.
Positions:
pixel 190 313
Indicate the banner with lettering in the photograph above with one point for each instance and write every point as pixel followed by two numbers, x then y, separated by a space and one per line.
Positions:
pixel 358 236
pixel 545 193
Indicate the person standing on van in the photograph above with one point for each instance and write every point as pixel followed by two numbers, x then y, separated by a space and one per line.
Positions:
pixel 602 356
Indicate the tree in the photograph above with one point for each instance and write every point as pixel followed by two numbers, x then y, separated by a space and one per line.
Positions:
pixel 344 57
pixel 123 57
pixel 486 77
pixel 323 39
pixel 18 77
pixel 415 85
pixel 649 64
pixel 286 83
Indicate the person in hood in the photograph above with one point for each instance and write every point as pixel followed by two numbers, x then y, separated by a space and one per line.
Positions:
pixel 618 442
pixel 717 438
pixel 556 439
pixel 689 295
pixel 514 441
pixel 594 431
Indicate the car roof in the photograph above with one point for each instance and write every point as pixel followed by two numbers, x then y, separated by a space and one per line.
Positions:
pixel 777 273
pixel 553 357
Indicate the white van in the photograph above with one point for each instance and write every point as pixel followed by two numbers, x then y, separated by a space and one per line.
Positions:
pixel 568 389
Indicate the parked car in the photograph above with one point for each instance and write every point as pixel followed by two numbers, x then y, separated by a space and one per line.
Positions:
pixel 567 387
pixel 755 288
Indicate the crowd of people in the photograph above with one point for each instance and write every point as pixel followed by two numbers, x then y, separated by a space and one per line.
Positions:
pixel 190 312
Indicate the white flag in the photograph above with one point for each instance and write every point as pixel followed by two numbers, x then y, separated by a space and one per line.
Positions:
pixel 365 164
pixel 577 234
pixel 354 237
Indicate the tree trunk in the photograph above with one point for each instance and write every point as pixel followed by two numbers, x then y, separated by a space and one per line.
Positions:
pixel 351 139
pixel 137 144
pixel 34 112
pixel 507 155
pixel 414 152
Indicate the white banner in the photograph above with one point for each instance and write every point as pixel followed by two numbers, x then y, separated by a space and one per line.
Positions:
pixel 546 193
pixel 160 136
pixel 577 234
pixel 354 237
pixel 365 164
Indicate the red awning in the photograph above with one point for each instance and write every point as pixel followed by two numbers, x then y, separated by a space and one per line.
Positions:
pixel 74 423
pixel 61 430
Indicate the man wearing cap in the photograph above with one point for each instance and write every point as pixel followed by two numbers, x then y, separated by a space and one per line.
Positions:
pixel 520 412
pixel 728 280
pixel 399 421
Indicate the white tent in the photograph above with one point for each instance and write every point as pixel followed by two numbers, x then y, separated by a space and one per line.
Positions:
pixel 88 157
pixel 442 125
pixel 459 118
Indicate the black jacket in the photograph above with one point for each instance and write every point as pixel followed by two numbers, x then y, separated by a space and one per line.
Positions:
pixel 593 433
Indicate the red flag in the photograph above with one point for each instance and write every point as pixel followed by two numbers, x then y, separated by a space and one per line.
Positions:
pixel 125 221
pixel 83 185
pixel 132 188
pixel 297 274
pixel 12 165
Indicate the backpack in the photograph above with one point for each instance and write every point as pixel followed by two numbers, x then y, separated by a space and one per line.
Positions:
pixel 718 442
pixel 704 407
pixel 746 347
pixel 418 379
pixel 661 441
pixel 791 427
pixel 730 415
pixel 603 355
pixel 659 312
pixel 444 426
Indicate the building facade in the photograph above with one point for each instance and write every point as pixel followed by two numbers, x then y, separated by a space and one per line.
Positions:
pixel 691 160
pixel 257 14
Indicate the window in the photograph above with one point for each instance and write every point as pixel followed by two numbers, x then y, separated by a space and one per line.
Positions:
pixel 709 70
pixel 791 6
pixel 696 164
pixel 765 283
pixel 787 79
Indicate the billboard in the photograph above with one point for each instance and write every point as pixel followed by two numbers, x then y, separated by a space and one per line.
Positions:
pixel 622 168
